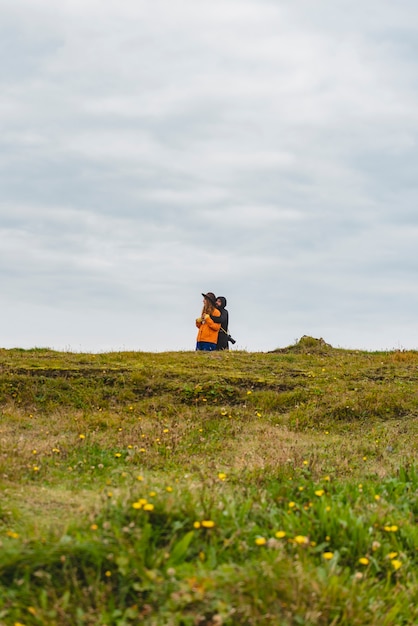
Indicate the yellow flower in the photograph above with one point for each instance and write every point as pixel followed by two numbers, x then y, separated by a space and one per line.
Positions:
pixel 12 534
pixel 208 523
pixel 377 498
pixel 169 489
pixel 222 476
pixel 148 507
pixel 319 492
pixel 117 455
pixel 280 534
pixel 363 560
pixel 108 573
pixel 260 541
pixel 94 527
pixel 196 525
pixel 249 393
pixel 328 555
pixel 396 564
pixel 292 505
pixel 140 478
pixel 392 555
pixel 391 529
pixel 166 430
pixel 301 540
pixel 81 436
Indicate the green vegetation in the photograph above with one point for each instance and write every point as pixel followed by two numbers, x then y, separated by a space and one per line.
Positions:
pixel 209 489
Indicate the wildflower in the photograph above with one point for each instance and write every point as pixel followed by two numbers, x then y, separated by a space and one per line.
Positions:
pixel 365 458
pixel 280 534
pixel 328 509
pixel 306 462
pixel 108 573
pixel 196 525
pixel 34 451
pixel 301 488
pixel 327 478
pixel 12 534
pixel 258 414
pixel 166 430
pixel 148 507
pixel 208 523
pixel 224 412
pixel 363 560
pixel 94 527
pixel 249 393
pixel 222 476
pixel 291 505
pixel 377 498
pixel 319 492
pixel 140 478
pixel 35 468
pixel 202 556
pixel 169 489
pixel 152 494
pixel 260 541
pixel 391 529
pixel 328 555
pixel 118 455
pixel 130 447
pixel 142 449
pixel 376 546
pixel 301 540
pixel 392 555
pixel 81 436
pixel 396 564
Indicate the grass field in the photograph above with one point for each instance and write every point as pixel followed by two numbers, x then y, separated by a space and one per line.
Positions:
pixel 209 489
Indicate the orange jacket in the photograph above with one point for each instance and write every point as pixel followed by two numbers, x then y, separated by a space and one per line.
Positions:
pixel 208 329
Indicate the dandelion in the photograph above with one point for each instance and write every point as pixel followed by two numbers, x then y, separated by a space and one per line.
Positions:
pixel 306 462
pixel 301 540
pixel 391 529
pixel 94 527
pixel 81 436
pixel 142 449
pixel 35 468
pixel 280 534
pixel 363 560
pixel 166 430
pixel 148 507
pixel 140 478
pixel 108 573
pixel 319 492
pixel 202 556
pixel 258 414
pixel 328 555
pixel 396 564
pixel 130 447
pixel 222 476
pixel 365 458
pixel 196 525
pixel 328 509
pixel 152 494
pixel 34 451
pixel 12 534
pixel 208 523
pixel 301 488
pixel 224 412
pixel 249 393
pixel 260 541
pixel 118 455
pixel 292 505
pixel 392 555
pixel 169 489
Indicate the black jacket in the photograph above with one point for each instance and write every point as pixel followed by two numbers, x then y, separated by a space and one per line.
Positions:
pixel 223 331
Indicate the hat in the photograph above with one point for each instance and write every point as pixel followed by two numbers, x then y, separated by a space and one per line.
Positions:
pixel 210 296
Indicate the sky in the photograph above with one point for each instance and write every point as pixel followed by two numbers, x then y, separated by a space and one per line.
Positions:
pixel 264 150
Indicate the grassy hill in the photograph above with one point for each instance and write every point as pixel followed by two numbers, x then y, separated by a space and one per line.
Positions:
pixel 209 489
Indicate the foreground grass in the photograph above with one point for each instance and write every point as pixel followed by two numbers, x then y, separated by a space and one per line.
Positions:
pixel 202 489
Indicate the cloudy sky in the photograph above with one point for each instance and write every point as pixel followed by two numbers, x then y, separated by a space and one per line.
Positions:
pixel 265 150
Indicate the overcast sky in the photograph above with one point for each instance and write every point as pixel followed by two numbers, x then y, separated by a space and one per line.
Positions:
pixel 265 150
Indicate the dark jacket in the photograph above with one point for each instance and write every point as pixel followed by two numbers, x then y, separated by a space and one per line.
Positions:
pixel 223 331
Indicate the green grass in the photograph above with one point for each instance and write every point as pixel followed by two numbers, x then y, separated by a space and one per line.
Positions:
pixel 209 489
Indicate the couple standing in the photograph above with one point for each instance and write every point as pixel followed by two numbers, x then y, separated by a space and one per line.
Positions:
pixel 212 324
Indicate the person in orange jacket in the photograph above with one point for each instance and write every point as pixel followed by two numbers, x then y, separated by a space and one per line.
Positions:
pixel 207 336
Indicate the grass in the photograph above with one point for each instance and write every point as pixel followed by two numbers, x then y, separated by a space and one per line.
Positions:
pixel 209 489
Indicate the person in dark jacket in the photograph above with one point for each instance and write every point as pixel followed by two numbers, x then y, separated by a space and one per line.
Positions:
pixel 224 319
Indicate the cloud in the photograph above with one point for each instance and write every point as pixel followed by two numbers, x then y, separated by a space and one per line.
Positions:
pixel 152 151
